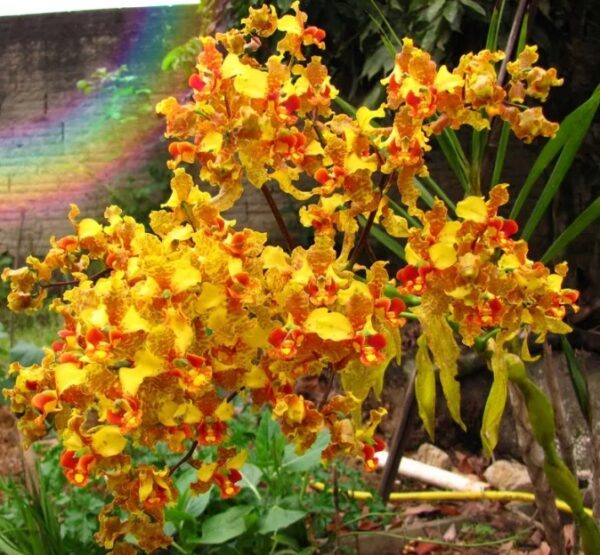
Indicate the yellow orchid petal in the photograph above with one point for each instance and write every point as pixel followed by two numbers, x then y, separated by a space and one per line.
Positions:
pixel 211 142
pixel 442 255
pixel 364 117
pixel 275 257
pixel 289 24
pixel 224 411
pixel 167 413
pixel 256 378
pixel 252 82
pixel 333 326
pixel 108 441
pixel 237 461
pixel 133 321
pixel 211 297
pixel 446 81
pixel 192 415
pixel 411 256
pixel 146 365
pixel 473 209
pixel 206 471
pixel 67 375
pixel 88 228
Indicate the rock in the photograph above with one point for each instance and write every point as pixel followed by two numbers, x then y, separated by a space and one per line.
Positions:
pixel 507 475
pixel 430 454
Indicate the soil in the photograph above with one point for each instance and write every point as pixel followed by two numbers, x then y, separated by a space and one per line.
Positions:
pixel 10 452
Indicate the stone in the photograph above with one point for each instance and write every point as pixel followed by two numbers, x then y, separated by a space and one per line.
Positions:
pixel 508 475
pixel 430 454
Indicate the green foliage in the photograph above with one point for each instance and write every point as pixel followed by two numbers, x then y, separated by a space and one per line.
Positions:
pixel 77 507
pixel 565 146
pixel 267 515
pixel 124 91
pixel 578 379
pixel 182 57
pixel 29 524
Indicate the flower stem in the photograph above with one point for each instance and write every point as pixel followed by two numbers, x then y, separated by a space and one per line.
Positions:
pixel 291 244
pixel 185 458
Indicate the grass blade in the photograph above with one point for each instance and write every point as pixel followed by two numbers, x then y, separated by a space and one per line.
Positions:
pixel 584 220
pixel 345 106
pixel 425 194
pixel 437 190
pixel 402 212
pixel 500 154
pixel 387 42
pixel 562 166
pixel 382 237
pixel 572 130
pixel 491 42
pixel 578 379
pixel 387 23
pixel 453 158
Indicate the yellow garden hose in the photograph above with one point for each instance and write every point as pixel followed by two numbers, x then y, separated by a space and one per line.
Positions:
pixel 452 496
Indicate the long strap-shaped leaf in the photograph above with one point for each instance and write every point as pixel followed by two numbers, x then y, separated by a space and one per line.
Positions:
pixel 455 156
pixel 437 190
pixel 402 212
pixel 491 42
pixel 584 220
pixel 578 379
pixel 561 480
pixel 383 238
pixel 566 142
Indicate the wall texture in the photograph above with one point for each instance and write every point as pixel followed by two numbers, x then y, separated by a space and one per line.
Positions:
pixel 58 145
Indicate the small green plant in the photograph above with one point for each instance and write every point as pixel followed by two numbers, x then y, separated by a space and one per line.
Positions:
pixel 29 524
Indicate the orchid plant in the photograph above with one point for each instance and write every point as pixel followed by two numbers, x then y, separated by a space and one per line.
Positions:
pixel 163 329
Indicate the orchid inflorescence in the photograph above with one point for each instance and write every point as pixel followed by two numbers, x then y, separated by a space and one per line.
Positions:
pixel 164 328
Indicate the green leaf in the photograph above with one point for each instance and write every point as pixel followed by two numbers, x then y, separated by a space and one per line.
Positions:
pixel 278 518
pixel 390 29
pixel 453 156
pixel 308 460
pixel 425 194
pixel 171 58
pixel 345 106
pixel 434 9
pixel 578 379
pixel 197 504
pixel 474 6
pixel 425 387
pixel 451 12
pixel 500 154
pixel 402 212
pixel 496 401
pixel 182 483
pixel 226 525
pixel 491 42
pixel 566 142
pixel 26 353
pixel 583 221
pixel 439 192
pixel 382 237
pixel 269 444
pixel 251 475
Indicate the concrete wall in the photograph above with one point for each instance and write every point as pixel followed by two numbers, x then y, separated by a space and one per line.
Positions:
pixel 58 145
